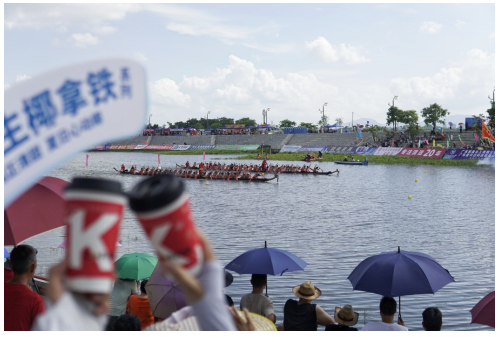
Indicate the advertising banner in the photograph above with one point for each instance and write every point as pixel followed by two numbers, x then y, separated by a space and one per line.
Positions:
pixel 159 147
pixel 290 148
pixel 140 147
pixel 51 117
pixel 202 147
pixel 98 147
pixel 341 149
pixel 181 147
pixel 311 148
pixel 237 147
pixel 387 151
pixel 428 153
pixel 469 154
pixel 365 150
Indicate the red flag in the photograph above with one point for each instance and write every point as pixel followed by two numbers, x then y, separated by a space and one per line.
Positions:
pixel 158 158
pixel 486 133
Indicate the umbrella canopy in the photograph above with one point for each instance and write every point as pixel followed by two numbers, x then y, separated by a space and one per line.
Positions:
pixel 210 129
pixel 265 260
pixel 36 211
pixel 135 266
pixel 64 244
pixel 400 273
pixel 5 253
pixel 336 126
pixel 165 295
pixel 484 311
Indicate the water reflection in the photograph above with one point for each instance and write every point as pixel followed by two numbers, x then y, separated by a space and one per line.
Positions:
pixel 333 223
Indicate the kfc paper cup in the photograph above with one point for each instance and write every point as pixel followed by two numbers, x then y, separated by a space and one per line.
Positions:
pixel 93 212
pixel 161 204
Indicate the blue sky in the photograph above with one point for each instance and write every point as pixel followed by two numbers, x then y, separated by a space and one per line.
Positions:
pixel 237 59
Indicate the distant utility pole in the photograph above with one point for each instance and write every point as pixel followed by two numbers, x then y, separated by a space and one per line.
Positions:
pixel 207 118
pixel 264 115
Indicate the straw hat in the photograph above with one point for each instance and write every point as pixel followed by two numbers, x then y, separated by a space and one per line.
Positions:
pixel 307 291
pixel 346 315
pixel 260 323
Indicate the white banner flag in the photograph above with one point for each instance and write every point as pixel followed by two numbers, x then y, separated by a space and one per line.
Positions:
pixel 51 117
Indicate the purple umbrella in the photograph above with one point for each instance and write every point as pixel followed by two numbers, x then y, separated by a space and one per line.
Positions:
pixel 165 295
pixel 484 311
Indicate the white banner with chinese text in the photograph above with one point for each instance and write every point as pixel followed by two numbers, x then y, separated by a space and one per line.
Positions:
pixel 50 118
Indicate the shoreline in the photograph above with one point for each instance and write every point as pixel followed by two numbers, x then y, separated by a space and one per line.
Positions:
pixel 327 157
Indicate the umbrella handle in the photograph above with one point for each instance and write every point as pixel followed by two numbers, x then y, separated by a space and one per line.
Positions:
pixel 399 311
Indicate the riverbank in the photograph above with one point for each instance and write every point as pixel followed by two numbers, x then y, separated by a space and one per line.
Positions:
pixel 327 157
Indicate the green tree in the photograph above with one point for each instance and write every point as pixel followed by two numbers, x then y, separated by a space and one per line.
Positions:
pixel 491 114
pixel 308 125
pixel 339 121
pixel 287 123
pixel 393 116
pixel 225 121
pixel 247 121
pixel 434 114
pixel 199 126
pixel 216 125
pixel 373 130
pixel 323 120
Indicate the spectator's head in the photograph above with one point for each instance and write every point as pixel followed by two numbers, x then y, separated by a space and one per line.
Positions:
pixel 258 280
pixel 143 286
pixel 388 306
pixel 127 323
pixel 432 319
pixel 23 260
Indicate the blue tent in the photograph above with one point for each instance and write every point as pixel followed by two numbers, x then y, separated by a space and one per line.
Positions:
pixel 336 126
pixel 209 129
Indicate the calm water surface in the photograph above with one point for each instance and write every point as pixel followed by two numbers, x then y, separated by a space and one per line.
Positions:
pixel 333 223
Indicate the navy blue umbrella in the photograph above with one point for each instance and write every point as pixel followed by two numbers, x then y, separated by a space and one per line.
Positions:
pixel 399 273
pixel 5 253
pixel 269 261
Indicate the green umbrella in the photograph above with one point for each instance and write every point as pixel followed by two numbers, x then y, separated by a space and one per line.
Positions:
pixel 135 266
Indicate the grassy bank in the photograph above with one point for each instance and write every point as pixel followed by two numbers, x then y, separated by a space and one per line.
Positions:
pixel 329 157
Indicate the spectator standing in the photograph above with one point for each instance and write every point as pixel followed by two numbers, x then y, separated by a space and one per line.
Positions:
pixel 432 319
pixel 21 304
pixel 256 301
pixel 228 280
pixel 388 308
pixel 8 274
pixel 122 290
pixel 302 315
pixel 127 323
pixel 139 306
pixel 346 319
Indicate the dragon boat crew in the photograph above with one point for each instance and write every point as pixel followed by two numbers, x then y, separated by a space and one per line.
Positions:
pixel 122 168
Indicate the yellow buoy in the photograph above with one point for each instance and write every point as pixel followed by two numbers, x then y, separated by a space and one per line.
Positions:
pixel 262 173
pixel 206 183
pixel 409 197
pixel 87 176
pixel 425 171
pixel 78 165
pixel 416 180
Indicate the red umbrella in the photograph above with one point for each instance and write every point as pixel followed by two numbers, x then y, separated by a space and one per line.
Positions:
pixel 484 311
pixel 38 210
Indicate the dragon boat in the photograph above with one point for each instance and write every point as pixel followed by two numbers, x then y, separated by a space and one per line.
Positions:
pixel 197 177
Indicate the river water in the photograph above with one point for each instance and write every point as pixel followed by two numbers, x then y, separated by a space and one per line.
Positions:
pixel 333 223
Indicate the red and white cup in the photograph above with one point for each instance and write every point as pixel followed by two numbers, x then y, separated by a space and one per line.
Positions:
pixel 93 212
pixel 162 206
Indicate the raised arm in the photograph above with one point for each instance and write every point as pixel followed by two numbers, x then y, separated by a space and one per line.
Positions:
pixel 322 317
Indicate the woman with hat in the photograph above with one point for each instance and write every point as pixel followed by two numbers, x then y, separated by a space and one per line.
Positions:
pixel 345 317
pixel 302 315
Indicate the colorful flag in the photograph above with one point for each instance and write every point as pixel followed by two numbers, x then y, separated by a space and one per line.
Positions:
pixel 87 161
pixel 433 143
pixel 419 143
pixel 447 143
pixel 203 155
pixel 359 134
pixel 360 140
pixel 477 138
pixel 158 158
pixel 486 133
pixel 393 143
pixel 460 138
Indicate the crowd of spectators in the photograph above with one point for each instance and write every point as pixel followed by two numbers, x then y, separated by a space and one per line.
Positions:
pixel 127 306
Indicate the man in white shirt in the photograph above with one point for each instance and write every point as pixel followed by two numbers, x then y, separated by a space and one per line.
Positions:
pixel 388 307
pixel 256 301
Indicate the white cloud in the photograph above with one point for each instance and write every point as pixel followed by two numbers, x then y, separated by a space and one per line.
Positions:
pixel 20 78
pixel 330 53
pixel 38 16
pixel 56 42
pixel 104 30
pixel 430 27
pixel 459 24
pixel 166 92
pixel 471 76
pixel 492 35
pixel 140 56
pixel 6 86
pixel 84 40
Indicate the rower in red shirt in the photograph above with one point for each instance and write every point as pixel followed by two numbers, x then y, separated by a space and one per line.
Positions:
pixel 21 304
pixel 264 165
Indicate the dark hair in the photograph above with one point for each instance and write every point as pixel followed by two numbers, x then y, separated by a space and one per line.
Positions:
pixel 258 280
pixel 432 319
pixel 21 258
pixel 127 323
pixel 388 306
pixel 143 286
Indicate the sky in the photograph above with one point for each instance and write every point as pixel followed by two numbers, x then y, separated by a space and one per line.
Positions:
pixel 236 60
